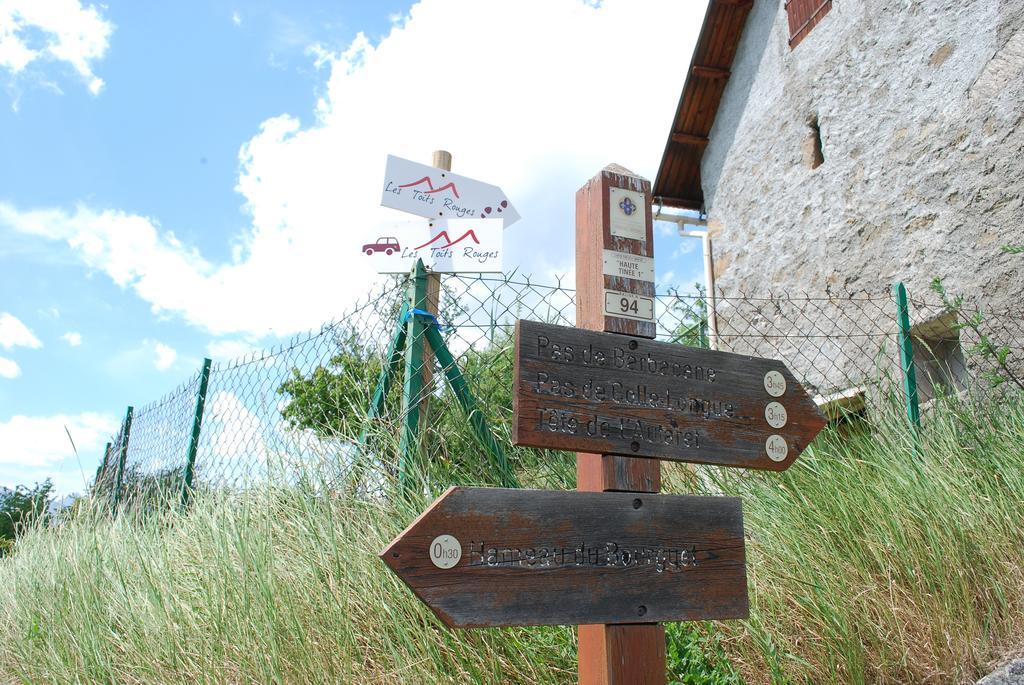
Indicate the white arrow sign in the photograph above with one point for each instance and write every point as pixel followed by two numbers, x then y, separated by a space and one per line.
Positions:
pixel 445 246
pixel 438 194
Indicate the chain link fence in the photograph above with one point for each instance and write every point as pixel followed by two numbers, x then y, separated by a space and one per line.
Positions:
pixel 281 414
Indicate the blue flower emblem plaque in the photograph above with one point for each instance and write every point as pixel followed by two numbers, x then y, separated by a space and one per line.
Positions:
pixel 626 214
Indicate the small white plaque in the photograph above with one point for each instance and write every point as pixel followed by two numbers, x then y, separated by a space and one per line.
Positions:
pixel 625 265
pixel 628 305
pixel 775 415
pixel 628 215
pixel 776 448
pixel 775 383
pixel 445 551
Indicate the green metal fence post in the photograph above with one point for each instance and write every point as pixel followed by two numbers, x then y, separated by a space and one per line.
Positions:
pixel 126 432
pixel 476 418
pixel 101 471
pixel 906 348
pixel 413 386
pixel 193 443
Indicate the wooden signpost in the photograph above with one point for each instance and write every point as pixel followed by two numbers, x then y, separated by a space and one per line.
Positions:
pixel 499 557
pixel 606 209
pixel 614 557
pixel 417 338
pixel 608 393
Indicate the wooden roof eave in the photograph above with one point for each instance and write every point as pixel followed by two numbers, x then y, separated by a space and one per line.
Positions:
pixel 678 181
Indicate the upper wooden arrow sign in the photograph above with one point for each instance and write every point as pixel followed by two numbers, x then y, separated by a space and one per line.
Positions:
pixel 610 394
pixel 496 557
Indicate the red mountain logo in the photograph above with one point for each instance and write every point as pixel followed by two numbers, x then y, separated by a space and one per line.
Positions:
pixel 426 179
pixel 444 235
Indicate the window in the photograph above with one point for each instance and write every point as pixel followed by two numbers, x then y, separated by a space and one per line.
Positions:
pixel 845 406
pixel 804 15
pixel 812 149
pixel 938 358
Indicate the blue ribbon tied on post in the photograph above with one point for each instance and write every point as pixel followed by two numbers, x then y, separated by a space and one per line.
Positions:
pixel 422 313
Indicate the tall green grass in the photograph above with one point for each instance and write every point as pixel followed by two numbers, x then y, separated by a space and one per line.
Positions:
pixel 281 585
pixel 870 560
pixel 874 561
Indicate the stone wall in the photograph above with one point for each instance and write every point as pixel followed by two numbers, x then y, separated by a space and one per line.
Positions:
pixel 920 108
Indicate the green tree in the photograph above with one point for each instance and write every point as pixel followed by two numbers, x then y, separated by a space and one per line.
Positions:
pixel 19 508
pixel 332 401
pixel 333 398
pixel 692 312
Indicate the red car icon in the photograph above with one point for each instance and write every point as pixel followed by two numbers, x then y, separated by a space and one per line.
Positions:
pixel 385 244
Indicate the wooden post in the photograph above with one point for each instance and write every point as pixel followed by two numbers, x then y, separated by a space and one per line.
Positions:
pixel 613 214
pixel 442 159
pixel 425 295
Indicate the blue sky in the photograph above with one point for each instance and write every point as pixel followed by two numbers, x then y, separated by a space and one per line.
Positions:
pixel 181 180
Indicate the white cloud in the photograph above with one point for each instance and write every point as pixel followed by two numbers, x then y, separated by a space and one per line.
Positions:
pixel 226 350
pixel 321 56
pixel 539 122
pixel 142 357
pixel 236 429
pixel 74 34
pixel 236 18
pixel 9 368
pixel 687 245
pixel 165 356
pixel 36 441
pixel 689 285
pixel 66 481
pixel 13 333
pixel 72 338
pixel 666 228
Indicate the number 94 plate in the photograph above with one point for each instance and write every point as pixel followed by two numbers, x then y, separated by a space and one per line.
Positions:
pixel 628 305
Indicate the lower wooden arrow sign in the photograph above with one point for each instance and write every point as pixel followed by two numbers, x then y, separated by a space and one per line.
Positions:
pixel 499 557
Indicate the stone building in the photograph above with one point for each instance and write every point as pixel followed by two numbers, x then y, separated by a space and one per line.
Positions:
pixel 840 146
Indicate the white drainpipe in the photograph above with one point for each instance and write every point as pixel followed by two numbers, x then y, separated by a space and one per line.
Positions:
pixel 709 264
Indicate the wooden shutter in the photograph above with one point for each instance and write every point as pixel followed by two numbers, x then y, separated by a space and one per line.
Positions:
pixel 804 15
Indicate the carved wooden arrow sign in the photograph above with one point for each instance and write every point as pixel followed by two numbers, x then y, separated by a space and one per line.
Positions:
pixel 498 557
pixel 610 394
